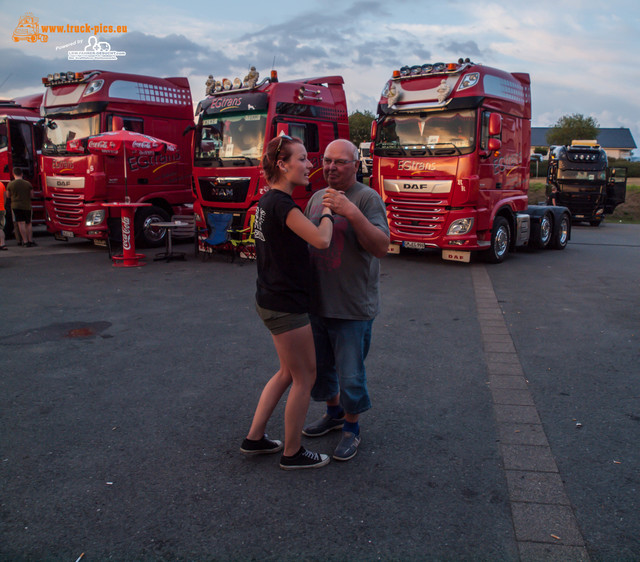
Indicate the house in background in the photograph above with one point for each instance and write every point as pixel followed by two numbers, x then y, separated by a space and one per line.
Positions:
pixel 617 143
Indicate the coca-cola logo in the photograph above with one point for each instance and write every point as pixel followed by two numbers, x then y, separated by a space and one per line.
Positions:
pixel 142 144
pixel 126 233
pixel 101 144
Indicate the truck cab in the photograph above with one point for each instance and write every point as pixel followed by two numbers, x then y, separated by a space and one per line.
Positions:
pixel 235 122
pixel 451 148
pixel 81 104
pixel 579 178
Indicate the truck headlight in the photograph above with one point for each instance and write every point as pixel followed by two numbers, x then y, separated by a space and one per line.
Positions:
pixel 460 226
pixel 94 218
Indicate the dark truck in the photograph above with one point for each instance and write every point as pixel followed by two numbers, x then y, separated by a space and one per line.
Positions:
pixel 580 179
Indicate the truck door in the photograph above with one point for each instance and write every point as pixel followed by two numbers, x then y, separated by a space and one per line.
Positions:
pixel 616 188
pixel 21 145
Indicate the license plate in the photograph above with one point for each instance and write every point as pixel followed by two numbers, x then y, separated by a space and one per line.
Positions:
pixel 393 249
pixel 414 245
pixel 67 233
pixel 453 255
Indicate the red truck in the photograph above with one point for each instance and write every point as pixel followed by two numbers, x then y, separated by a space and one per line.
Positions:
pixel 80 104
pixel 20 141
pixel 235 122
pixel 451 148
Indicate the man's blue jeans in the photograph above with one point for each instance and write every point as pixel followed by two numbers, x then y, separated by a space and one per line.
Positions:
pixel 341 348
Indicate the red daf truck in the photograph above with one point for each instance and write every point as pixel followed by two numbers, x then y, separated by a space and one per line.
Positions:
pixel 451 146
pixel 234 125
pixel 80 104
pixel 20 142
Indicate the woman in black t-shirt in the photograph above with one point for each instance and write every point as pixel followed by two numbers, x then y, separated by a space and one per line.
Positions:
pixel 282 233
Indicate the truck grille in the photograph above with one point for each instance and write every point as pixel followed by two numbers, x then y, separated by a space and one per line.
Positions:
pixel 67 208
pixel 224 190
pixel 416 216
pixel 580 201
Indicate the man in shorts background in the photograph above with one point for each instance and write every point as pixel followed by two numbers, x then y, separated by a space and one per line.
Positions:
pixel 20 192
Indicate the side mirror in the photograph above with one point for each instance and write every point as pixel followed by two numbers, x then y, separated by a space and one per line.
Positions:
pixel 495 124
pixel 374 130
pixel 494 144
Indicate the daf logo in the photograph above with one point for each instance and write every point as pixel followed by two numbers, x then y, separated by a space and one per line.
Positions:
pixel 411 186
pixel 63 183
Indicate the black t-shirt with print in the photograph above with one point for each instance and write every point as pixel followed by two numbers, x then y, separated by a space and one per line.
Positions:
pixel 284 278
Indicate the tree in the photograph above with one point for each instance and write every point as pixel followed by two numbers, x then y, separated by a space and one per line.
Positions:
pixel 360 126
pixel 573 127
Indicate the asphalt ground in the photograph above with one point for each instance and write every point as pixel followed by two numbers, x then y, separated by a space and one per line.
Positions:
pixel 125 394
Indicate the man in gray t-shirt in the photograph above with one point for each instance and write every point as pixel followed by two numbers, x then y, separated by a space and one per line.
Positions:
pixel 345 294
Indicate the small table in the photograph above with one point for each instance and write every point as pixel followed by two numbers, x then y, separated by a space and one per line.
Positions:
pixel 129 258
pixel 169 254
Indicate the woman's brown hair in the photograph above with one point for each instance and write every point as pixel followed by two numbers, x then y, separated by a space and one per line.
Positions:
pixel 279 148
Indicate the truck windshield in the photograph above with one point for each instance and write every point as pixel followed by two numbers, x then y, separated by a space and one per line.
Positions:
pixel 58 131
pixel 231 140
pixel 438 134
pixel 582 175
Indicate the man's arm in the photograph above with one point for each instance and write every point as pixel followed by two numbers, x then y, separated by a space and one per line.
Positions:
pixel 370 237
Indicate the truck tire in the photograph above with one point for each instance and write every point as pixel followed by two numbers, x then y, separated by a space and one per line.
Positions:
pixel 500 241
pixel 561 235
pixel 146 235
pixel 546 232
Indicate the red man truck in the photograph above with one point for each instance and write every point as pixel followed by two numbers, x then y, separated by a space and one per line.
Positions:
pixel 451 147
pixel 234 124
pixel 20 141
pixel 80 104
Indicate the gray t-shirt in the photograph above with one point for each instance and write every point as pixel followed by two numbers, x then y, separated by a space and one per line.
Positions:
pixel 345 277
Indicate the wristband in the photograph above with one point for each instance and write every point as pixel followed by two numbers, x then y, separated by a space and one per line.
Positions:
pixel 330 217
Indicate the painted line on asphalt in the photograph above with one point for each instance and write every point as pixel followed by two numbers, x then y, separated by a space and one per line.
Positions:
pixel 543 519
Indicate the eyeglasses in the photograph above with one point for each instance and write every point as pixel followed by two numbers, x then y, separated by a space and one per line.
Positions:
pixel 339 162
pixel 282 137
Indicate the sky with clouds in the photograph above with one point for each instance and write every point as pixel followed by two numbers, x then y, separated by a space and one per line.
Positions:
pixel 581 54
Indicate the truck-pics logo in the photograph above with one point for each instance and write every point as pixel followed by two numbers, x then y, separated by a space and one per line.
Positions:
pixel 28 29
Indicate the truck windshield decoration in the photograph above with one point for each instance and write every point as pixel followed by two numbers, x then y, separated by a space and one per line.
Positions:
pixel 582 175
pixel 427 134
pixel 59 131
pixel 231 140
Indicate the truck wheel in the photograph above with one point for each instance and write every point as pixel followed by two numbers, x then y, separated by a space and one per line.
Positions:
pixel 561 236
pixel 500 240
pixel 546 232
pixel 148 236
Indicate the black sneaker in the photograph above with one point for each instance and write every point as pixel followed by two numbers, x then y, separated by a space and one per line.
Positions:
pixel 261 446
pixel 30 244
pixel 324 425
pixel 303 459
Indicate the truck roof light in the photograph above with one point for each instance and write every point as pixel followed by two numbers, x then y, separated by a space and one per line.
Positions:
pixel 469 81
pixel 274 75
pixel 226 84
pixel 237 83
pixel 93 87
pixel 396 74
pixel 416 70
pixel 438 67
pixel 427 68
pixel 452 66
pixel 405 71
